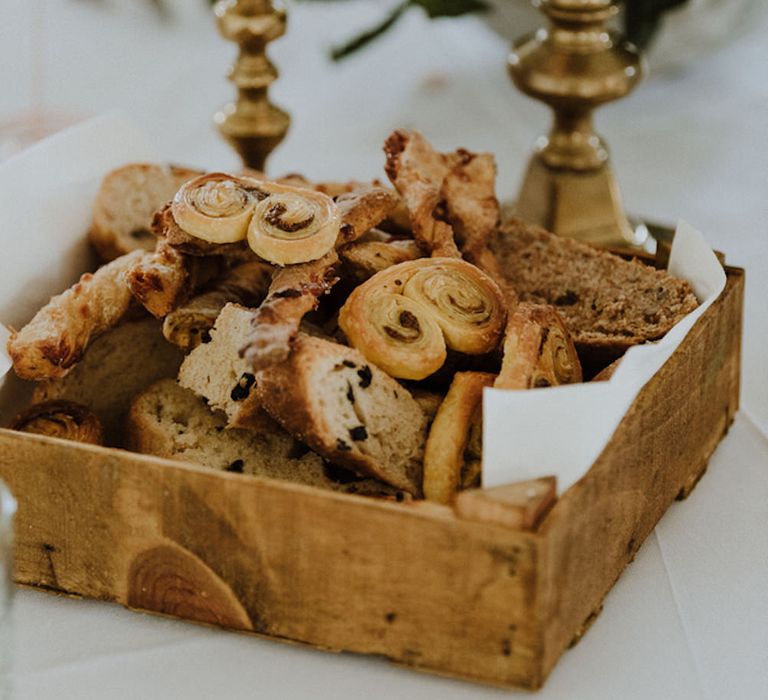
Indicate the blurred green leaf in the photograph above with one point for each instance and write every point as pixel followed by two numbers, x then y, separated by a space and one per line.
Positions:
pixel 642 18
pixel 450 8
pixel 366 37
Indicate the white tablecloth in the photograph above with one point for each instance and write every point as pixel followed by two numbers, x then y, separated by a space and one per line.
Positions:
pixel 689 618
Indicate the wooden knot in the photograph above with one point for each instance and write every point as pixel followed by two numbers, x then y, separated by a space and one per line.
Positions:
pixel 170 580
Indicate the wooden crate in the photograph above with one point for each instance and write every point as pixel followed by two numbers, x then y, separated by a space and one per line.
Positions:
pixel 475 590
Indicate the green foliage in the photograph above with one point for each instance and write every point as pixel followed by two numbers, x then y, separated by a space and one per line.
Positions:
pixel 642 19
pixel 433 8
pixel 450 8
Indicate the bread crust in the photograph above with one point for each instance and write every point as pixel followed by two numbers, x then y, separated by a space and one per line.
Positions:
pixel 289 392
pixel 165 278
pixel 607 303
pixel 170 422
pixel 56 338
pixel 140 185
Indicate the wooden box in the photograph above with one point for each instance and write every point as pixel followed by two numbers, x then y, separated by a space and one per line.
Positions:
pixel 477 590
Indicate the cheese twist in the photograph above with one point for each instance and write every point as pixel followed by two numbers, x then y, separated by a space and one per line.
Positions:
pixel 215 207
pixel 404 318
pixel 293 225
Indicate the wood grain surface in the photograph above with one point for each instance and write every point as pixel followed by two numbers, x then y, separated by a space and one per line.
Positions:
pixel 489 596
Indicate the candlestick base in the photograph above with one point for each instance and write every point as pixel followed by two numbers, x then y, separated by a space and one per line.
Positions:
pixel 584 205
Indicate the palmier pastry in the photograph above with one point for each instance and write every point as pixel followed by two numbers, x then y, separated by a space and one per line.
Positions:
pixel 61 419
pixel 404 318
pixel 450 435
pixel 293 225
pixel 216 207
pixel 538 350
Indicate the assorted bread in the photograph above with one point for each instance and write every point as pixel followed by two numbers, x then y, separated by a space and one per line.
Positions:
pixel 337 335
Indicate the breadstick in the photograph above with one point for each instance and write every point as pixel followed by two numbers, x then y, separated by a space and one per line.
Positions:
pixel 450 435
pixel 417 171
pixel 294 292
pixel 56 338
pixel 469 191
pixel 296 289
pixel 363 259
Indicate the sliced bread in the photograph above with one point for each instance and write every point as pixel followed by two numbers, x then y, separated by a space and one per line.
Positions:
pixel 608 303
pixel 351 412
pixel 215 371
pixel 169 421
pixel 116 366
pixel 127 200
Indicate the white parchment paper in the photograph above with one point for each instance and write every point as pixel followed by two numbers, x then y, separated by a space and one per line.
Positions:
pixel 47 195
pixel 562 430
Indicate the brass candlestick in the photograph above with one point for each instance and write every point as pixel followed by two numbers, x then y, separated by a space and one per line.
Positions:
pixel 251 124
pixel 574 66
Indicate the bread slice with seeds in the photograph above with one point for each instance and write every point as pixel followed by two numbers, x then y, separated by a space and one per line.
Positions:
pixel 608 303
pixel 348 410
pixel 126 202
pixel 169 421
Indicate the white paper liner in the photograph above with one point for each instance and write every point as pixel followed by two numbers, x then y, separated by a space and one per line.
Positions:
pixel 562 430
pixel 48 193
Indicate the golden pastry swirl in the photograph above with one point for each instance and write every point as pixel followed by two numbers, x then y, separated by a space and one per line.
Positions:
pixel 404 318
pixel 61 419
pixel 216 207
pixel 538 351
pixel 293 225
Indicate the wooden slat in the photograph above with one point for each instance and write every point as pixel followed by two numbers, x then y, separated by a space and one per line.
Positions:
pixel 518 506
pixel 336 571
pixel 660 448
pixel 464 592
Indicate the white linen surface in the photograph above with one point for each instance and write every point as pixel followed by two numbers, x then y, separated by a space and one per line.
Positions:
pixel 689 618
